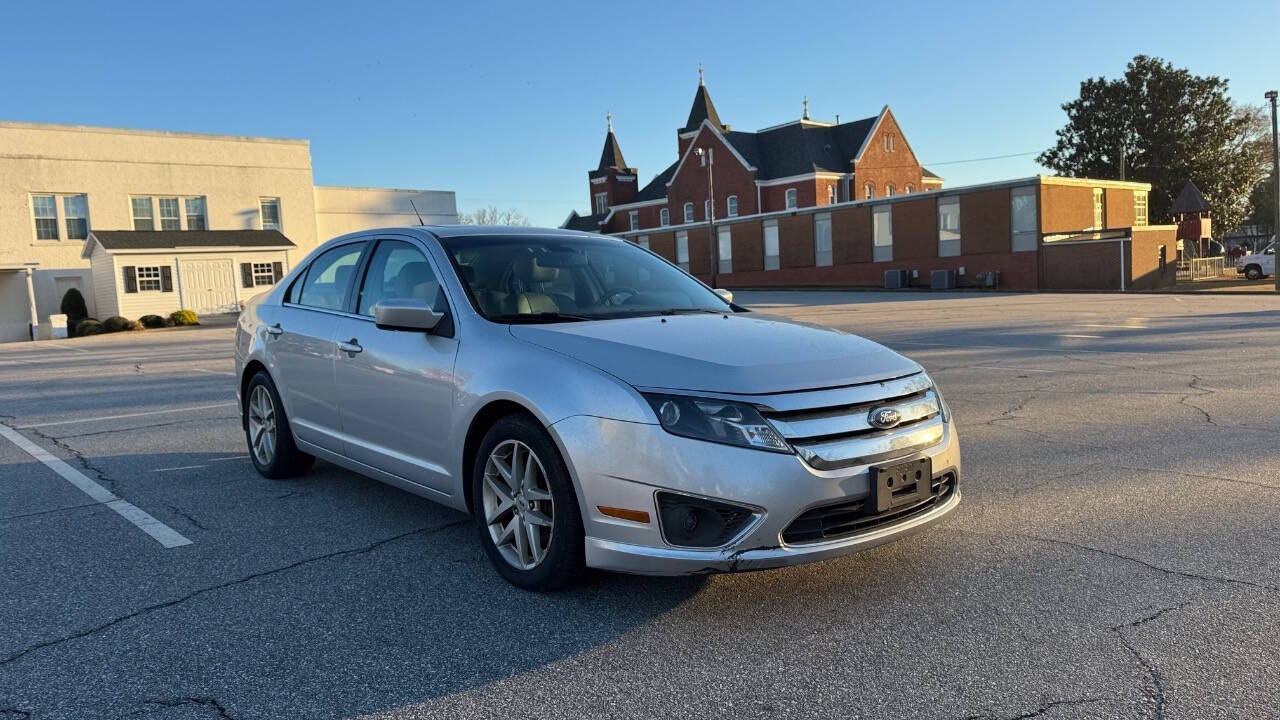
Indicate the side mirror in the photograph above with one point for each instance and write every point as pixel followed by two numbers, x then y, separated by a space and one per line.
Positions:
pixel 406 314
pixel 725 295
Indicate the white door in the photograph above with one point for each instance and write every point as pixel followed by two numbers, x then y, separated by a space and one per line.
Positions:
pixel 208 285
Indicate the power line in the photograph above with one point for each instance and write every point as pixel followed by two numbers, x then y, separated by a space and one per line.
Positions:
pixel 984 159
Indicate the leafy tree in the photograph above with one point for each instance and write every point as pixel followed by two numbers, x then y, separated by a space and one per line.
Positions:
pixel 1262 203
pixel 493 216
pixel 74 308
pixel 1166 126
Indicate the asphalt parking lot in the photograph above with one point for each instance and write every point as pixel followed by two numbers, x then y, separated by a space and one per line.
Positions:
pixel 1115 555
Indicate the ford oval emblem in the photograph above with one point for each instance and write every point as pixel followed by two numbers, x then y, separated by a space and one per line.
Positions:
pixel 884 418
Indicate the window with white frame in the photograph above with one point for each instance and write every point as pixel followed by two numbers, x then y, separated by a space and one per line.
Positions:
pixel 831 194
pixel 148 278
pixel 1023 218
pixel 908 189
pixel 1139 207
pixel 633 218
pixel 144 217
pixel 664 217
pixel 889 190
pixel 949 227
pixel 888 142
pixel 771 259
pixel 869 191
pixel 75 210
pixel 1099 209
pixel 688 212
pixel 170 215
pixel 731 204
pixel 792 198
pixel 602 203
pixel 724 249
pixel 682 249
pixel 822 239
pixel 706 209
pixel 269 212
pixel 263 274
pixel 196 219
pixel 882 233
pixel 45 210
pixel 643 241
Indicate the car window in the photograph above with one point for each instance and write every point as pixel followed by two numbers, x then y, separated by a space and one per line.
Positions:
pixel 399 271
pixel 328 281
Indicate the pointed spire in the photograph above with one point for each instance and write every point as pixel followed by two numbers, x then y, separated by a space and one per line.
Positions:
pixel 703 108
pixel 611 156
pixel 806 107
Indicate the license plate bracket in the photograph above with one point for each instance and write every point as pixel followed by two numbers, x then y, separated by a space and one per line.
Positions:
pixel 901 484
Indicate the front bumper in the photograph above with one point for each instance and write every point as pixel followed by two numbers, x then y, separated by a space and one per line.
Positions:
pixel 622 464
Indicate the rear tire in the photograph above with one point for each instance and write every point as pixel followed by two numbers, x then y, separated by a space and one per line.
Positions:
pixel 1253 272
pixel 520 485
pixel 266 429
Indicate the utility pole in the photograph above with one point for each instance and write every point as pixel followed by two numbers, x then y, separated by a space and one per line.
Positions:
pixel 1275 176
pixel 709 159
pixel 1122 160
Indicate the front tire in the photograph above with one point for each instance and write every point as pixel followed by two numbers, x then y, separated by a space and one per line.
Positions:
pixel 1253 272
pixel 267 432
pixel 525 508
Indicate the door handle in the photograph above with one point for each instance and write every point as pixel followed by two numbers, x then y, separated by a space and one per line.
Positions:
pixel 275 330
pixel 350 347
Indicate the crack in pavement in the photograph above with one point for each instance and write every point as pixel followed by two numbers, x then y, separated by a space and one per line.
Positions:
pixel 188 517
pixel 14 713
pixel 1167 571
pixel 1250 483
pixel 80 458
pixel 1040 711
pixel 201 700
pixel 211 588
pixel 149 427
pixel 54 510
pixel 1156 679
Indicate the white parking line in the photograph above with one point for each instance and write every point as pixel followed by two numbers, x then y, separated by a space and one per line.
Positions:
pixel 234 457
pixel 1121 327
pixel 1090 337
pixel 162 533
pixel 123 416
pixel 213 372
pixel 1011 368
pixel 180 467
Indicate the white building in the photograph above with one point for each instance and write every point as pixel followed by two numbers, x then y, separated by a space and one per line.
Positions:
pixel 61 183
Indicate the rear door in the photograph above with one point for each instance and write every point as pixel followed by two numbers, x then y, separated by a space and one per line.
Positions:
pixel 303 348
pixel 397 386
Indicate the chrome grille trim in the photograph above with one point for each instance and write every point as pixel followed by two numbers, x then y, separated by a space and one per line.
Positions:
pixel 841 396
pixel 872 447
pixel 856 419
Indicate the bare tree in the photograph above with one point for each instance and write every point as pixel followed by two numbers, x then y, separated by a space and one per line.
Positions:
pixel 493 216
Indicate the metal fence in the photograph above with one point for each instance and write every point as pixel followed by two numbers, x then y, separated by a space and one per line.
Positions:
pixel 1201 269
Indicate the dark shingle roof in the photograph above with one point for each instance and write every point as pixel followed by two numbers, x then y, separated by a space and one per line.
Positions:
pixel 1190 200
pixel 929 173
pixel 657 187
pixel 611 156
pixel 168 239
pixel 801 147
pixel 703 109
pixel 589 223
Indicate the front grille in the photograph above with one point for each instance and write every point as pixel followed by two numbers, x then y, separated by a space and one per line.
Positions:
pixel 850 517
pixel 832 429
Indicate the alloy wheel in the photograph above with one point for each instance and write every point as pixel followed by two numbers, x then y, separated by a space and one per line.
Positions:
pixel 518 508
pixel 262 425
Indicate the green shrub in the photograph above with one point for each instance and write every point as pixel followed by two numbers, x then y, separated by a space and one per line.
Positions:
pixel 73 307
pixel 184 317
pixel 87 327
pixel 115 323
pixel 151 321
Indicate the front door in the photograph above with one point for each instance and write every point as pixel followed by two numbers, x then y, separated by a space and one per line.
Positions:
pixel 396 387
pixel 208 285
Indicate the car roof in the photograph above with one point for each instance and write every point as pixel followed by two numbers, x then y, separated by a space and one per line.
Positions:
pixel 444 231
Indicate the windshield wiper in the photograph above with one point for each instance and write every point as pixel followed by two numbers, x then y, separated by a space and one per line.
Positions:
pixel 539 317
pixel 678 311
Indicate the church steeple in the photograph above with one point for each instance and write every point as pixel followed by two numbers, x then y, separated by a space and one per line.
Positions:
pixel 703 108
pixel 611 156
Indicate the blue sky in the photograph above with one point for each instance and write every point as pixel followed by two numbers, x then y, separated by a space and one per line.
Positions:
pixel 505 102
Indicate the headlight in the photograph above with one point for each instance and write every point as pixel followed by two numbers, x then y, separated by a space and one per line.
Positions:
pixel 717 421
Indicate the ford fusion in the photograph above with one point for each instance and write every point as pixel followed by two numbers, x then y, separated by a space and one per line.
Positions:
pixel 589 404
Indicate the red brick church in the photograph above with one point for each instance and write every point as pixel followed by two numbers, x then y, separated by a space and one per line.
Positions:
pixel 797 164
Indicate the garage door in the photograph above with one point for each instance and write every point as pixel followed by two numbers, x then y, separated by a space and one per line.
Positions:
pixel 208 286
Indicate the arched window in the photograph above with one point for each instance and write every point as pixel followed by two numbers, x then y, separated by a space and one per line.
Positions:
pixel 664 217
pixel 688 212
pixel 888 190
pixel 871 190
pixel 909 189
pixel 791 198
pixel 831 194
pixel 732 204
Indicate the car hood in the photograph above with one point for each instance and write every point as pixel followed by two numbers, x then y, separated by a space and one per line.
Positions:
pixel 740 353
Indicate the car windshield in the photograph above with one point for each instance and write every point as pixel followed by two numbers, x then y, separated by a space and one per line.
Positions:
pixel 564 279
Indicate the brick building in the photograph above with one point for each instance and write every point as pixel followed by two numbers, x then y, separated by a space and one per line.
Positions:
pixel 799 164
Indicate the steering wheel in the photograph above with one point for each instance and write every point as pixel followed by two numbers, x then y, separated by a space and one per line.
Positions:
pixel 629 292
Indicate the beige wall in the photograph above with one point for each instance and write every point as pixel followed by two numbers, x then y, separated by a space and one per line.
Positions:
pixel 340 210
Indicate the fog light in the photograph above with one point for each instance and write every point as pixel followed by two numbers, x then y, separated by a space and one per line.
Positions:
pixel 689 521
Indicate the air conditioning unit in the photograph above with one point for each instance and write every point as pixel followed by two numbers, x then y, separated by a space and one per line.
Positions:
pixel 942 280
pixel 897 279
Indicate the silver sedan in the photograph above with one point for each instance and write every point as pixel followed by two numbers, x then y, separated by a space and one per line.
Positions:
pixel 590 404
